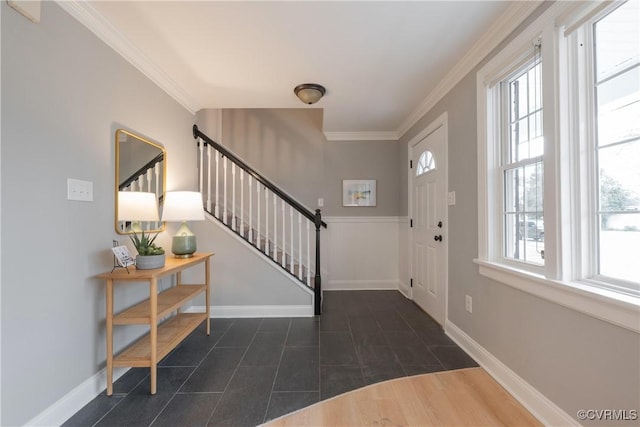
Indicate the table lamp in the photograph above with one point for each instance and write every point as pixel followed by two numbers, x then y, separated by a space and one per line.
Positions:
pixel 183 206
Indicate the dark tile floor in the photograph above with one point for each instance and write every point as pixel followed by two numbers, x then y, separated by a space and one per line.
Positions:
pixel 249 371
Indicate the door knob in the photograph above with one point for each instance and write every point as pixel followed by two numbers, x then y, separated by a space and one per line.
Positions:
pixel 438 238
pixel 439 224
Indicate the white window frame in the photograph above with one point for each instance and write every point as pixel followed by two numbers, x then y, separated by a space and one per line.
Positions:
pixel 502 89
pixel 581 100
pixel 561 280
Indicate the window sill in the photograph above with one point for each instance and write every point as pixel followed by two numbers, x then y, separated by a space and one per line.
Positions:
pixel 618 309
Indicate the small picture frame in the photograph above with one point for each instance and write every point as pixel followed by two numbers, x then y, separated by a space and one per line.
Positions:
pixel 358 192
pixel 123 256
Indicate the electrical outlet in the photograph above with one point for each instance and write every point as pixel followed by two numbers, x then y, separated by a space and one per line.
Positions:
pixel 468 303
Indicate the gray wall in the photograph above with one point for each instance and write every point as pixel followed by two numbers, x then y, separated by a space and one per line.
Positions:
pixel 288 147
pixel 575 360
pixel 64 93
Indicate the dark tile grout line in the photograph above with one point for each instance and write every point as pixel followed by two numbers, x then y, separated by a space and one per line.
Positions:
pixel 410 320
pixel 195 368
pixel 124 395
pixel 422 341
pixel 355 348
pixel 275 377
pixel 234 371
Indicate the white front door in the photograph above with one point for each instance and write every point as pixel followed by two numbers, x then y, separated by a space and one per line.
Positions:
pixel 428 215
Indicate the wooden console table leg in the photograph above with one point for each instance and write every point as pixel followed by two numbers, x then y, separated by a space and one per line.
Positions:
pixel 109 337
pixel 207 292
pixel 153 333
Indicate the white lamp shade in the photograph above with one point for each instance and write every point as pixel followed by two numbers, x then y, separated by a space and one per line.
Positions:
pixel 137 206
pixel 182 206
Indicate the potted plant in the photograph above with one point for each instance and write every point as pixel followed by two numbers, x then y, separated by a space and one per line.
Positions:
pixel 149 254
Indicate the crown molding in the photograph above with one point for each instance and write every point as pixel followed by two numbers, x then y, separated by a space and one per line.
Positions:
pixel 507 23
pixel 84 13
pixel 362 136
pixel 105 31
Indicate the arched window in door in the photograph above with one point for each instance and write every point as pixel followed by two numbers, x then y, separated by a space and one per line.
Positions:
pixel 426 163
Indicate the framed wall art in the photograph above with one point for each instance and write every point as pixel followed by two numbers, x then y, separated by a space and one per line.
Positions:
pixel 358 192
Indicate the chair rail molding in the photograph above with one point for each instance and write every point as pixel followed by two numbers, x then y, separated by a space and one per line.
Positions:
pixel 362 252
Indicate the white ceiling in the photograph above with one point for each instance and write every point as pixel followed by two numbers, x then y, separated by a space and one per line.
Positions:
pixel 379 60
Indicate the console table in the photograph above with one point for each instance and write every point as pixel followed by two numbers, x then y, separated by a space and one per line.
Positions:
pixel 164 337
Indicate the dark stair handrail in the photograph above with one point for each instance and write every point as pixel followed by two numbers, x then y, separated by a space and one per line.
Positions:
pixel 315 218
pixel 150 164
pixel 257 176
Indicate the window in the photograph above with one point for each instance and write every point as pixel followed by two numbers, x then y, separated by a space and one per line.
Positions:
pixel 616 113
pixel 426 163
pixel 559 160
pixel 522 152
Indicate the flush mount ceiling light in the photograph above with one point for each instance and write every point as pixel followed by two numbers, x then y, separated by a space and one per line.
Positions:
pixel 309 93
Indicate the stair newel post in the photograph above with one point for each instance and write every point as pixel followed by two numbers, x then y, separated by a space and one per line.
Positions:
pixel 317 287
pixel 201 149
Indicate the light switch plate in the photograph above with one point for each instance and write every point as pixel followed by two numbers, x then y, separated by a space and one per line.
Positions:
pixel 320 202
pixel 79 190
pixel 451 198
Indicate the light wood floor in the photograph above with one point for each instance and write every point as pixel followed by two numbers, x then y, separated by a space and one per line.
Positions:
pixel 466 397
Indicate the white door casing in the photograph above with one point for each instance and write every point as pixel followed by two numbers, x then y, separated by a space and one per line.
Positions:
pixel 428 211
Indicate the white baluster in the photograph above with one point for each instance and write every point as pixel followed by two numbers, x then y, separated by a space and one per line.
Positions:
pixel 210 150
pixel 217 208
pixel 149 174
pixel 224 206
pixel 158 191
pixel 266 221
pixel 284 240
pixel 156 170
pixel 258 200
pixel 201 147
pixel 275 228
pixel 300 245
pixel 308 258
pixel 250 209
pixel 242 202
pixel 291 239
pixel 234 222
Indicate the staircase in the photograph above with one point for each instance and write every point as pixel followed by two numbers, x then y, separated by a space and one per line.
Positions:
pixel 261 213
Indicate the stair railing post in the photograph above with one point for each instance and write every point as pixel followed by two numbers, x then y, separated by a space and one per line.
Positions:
pixel 317 287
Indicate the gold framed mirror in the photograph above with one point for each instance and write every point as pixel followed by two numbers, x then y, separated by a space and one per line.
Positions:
pixel 141 166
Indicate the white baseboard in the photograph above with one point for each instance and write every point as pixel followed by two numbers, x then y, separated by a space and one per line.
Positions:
pixel 542 408
pixel 360 285
pixel 404 289
pixel 75 400
pixel 248 311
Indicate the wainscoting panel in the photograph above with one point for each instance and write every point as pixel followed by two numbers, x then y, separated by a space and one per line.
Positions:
pixel 361 253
